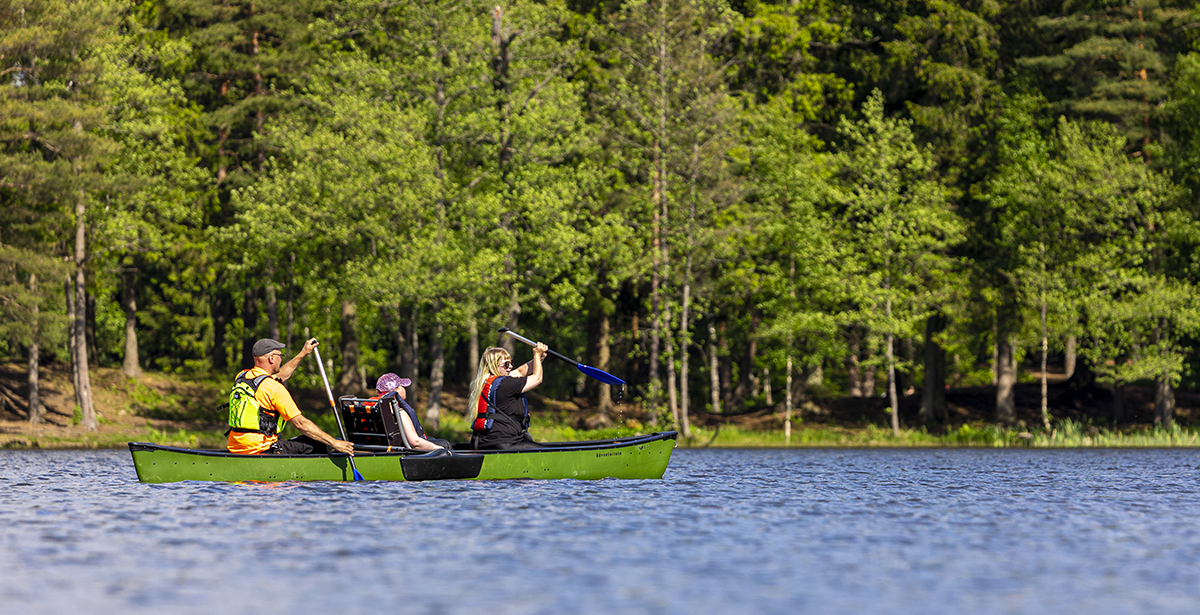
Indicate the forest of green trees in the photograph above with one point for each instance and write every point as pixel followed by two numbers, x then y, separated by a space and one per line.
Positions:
pixel 720 201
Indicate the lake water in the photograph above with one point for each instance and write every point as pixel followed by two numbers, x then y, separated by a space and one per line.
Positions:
pixel 725 531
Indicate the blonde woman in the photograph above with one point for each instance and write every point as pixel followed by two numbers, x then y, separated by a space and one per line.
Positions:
pixel 501 410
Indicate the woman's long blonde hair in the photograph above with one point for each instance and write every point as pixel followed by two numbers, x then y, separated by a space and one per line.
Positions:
pixel 489 365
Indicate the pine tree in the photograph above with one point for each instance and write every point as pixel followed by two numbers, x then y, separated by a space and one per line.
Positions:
pixel 53 105
pixel 149 224
pixel 1110 61
pixel 245 58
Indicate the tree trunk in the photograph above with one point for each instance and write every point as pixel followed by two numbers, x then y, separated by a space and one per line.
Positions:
pixel 1069 359
pixel 349 380
pixel 996 352
pixel 1006 378
pixel 725 368
pixel 664 258
pixel 35 404
pixel 681 417
pixel 891 360
pixel 799 386
pixel 787 402
pixel 868 374
pixel 131 365
pixel 220 320
pixel 472 345
pixel 747 381
pixel 661 221
pixel 1164 402
pixel 413 356
pixel 93 354
pixel 272 308
pixel 1045 351
pixel 655 384
pixel 604 352
pixel 633 364
pixel 249 326
pixel 854 374
pixel 580 384
pixel 714 369
pixel 472 359
pixel 685 341
pixel 291 296
pixel 903 354
pixel 84 394
pixel 933 390
pixel 891 374
pixel 767 386
pixel 72 344
pixel 404 349
pixel 1118 402
pixel 437 360
pixel 390 314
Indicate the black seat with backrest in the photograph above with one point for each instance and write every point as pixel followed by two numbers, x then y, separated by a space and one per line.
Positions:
pixel 374 421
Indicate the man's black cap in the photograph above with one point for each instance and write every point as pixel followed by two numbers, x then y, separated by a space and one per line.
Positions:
pixel 266 345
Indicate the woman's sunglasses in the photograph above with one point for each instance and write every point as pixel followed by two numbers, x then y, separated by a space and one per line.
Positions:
pixel 507 365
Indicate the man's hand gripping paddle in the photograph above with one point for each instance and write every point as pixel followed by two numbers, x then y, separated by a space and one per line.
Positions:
pixel 329 392
pixel 589 371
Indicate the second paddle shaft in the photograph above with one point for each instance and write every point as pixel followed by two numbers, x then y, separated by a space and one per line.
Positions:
pixel 329 392
pixel 526 340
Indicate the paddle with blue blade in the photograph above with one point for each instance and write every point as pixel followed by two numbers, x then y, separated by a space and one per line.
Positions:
pixel 589 371
pixel 329 392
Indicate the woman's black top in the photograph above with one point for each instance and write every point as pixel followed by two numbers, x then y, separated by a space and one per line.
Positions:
pixel 509 427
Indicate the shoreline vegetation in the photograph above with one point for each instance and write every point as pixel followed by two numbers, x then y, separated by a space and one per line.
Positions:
pixel 182 412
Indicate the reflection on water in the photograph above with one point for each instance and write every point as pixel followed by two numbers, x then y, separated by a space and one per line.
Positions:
pixel 808 531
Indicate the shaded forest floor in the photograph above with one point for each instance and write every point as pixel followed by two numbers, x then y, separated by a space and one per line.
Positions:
pixel 166 409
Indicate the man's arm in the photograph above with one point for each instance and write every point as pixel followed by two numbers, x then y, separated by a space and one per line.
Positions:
pixel 311 430
pixel 287 369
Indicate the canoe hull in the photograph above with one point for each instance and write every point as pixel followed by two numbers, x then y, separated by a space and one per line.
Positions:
pixel 641 457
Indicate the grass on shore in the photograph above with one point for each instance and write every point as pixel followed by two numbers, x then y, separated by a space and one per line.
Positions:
pixel 1064 434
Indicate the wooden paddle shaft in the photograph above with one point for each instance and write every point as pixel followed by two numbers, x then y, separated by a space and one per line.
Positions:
pixel 520 338
pixel 329 392
pixel 336 415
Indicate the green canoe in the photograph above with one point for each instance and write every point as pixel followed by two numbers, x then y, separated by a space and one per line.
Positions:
pixel 635 457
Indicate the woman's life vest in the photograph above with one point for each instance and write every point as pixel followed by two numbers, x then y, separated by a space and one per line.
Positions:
pixel 486 411
pixel 245 414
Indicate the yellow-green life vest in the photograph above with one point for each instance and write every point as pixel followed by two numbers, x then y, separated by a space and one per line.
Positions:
pixel 245 413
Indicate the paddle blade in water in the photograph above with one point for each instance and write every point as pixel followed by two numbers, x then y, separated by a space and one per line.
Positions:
pixel 599 374
pixel 357 476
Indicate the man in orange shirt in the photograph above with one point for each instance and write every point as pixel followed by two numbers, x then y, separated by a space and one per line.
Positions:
pixel 259 407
